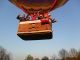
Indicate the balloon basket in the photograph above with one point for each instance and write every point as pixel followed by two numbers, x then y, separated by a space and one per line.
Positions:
pixel 34 30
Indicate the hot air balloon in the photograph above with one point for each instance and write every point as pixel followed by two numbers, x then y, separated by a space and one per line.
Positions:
pixel 36 28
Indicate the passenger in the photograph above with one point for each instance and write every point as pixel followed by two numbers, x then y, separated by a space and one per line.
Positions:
pixel 50 18
pixel 27 18
pixel 21 17
pixel 34 17
pixel 45 19
pixel 40 17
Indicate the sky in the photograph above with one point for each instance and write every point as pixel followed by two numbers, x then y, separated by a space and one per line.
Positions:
pixel 66 32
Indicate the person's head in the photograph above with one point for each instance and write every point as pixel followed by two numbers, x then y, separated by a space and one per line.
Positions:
pixel 41 16
pixel 22 15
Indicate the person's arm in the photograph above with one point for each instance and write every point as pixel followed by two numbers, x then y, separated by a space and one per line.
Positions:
pixel 53 21
pixel 18 17
pixel 27 16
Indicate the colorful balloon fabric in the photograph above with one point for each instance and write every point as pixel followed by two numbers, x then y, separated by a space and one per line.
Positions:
pixel 29 6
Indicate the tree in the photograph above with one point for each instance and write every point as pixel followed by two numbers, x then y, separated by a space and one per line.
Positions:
pixel 73 53
pixel 54 57
pixel 63 54
pixel 45 58
pixel 78 57
pixel 4 54
pixel 36 59
pixel 29 57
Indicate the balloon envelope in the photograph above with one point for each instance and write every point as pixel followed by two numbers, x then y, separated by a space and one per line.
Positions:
pixel 29 6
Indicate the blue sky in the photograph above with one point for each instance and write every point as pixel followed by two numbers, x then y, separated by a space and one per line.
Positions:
pixel 66 31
